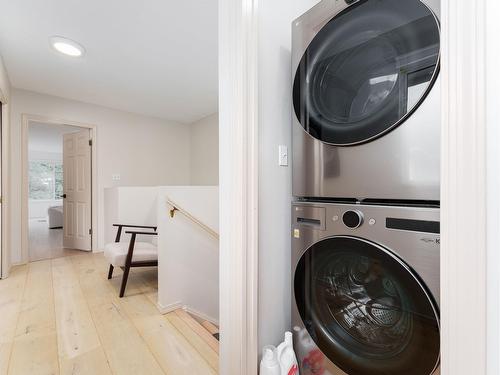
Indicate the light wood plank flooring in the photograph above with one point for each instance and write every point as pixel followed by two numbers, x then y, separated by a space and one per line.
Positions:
pixel 45 243
pixel 62 316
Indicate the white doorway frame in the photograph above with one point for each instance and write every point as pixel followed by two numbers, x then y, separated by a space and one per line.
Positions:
pixel 470 239
pixel 26 120
pixel 238 180
pixel 5 189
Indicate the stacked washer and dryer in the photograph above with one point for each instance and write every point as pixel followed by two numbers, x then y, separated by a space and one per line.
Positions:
pixel 366 183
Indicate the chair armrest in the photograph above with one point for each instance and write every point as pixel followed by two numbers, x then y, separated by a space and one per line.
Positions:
pixel 121 226
pixel 135 226
pixel 141 232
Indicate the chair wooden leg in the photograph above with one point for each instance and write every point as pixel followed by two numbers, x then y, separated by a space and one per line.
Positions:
pixel 110 273
pixel 124 280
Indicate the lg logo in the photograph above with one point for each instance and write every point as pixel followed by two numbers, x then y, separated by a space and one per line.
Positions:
pixel 436 241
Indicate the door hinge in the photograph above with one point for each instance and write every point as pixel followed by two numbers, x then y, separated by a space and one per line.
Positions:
pixel 90 231
pixel 90 142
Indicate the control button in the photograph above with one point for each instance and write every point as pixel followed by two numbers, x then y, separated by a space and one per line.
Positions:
pixel 352 219
pixel 335 218
pixel 372 221
pixel 296 233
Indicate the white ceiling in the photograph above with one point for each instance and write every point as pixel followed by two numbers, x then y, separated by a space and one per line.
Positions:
pixel 153 57
pixel 48 138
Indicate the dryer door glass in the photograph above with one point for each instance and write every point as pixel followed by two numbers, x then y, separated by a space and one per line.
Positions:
pixel 366 310
pixel 366 70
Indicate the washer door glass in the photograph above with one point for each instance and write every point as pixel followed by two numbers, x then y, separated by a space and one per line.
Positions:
pixel 366 310
pixel 366 70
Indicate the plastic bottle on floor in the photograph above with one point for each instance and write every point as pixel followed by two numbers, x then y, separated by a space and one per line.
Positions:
pixel 269 364
pixel 286 356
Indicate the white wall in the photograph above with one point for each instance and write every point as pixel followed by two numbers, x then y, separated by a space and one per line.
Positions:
pixel 205 151
pixel 48 138
pixel 493 165
pixel 129 205
pixel 275 84
pixel 144 151
pixel 4 81
pixel 188 274
pixel 41 155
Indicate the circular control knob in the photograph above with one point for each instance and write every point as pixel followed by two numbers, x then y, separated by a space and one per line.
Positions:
pixel 352 219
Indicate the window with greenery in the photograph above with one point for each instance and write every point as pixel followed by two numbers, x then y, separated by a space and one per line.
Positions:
pixel 58 177
pixel 45 180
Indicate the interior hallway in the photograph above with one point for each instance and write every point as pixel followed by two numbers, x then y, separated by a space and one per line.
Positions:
pixel 62 316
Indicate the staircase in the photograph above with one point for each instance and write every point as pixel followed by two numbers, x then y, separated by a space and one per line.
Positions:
pixel 214 331
pixel 201 334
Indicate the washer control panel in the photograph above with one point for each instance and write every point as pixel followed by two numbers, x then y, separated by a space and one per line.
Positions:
pixel 352 219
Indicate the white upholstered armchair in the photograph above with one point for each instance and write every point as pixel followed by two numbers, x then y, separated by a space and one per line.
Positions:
pixel 131 254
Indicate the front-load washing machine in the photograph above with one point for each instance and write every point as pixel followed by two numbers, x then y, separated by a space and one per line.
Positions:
pixel 365 289
pixel 366 100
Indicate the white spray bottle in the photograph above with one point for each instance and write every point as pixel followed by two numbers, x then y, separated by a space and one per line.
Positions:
pixel 269 364
pixel 286 356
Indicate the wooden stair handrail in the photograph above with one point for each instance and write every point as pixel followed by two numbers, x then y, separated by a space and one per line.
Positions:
pixel 176 207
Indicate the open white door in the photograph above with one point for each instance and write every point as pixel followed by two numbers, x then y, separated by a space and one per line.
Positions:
pixel 77 203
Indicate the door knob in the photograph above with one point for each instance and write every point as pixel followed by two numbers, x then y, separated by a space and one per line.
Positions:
pixel 64 196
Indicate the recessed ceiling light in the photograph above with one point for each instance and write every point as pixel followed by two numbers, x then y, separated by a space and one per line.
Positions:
pixel 67 46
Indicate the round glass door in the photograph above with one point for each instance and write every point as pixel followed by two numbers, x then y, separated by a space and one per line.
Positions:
pixel 367 70
pixel 366 310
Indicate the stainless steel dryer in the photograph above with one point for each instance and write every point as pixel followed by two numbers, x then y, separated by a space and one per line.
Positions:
pixel 365 289
pixel 366 100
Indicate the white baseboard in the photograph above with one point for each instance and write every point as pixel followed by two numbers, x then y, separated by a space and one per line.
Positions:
pixel 179 305
pixel 169 308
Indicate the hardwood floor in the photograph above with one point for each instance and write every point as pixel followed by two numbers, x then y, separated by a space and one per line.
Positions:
pixel 62 316
pixel 45 243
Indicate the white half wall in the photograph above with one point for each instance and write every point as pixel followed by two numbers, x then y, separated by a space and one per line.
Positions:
pixel 205 151
pixel 188 273
pixel 144 151
pixel 275 184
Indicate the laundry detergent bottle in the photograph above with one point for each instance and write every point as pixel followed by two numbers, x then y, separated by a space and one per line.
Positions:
pixel 286 356
pixel 269 364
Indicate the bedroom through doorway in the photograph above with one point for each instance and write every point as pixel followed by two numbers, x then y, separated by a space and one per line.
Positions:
pixel 59 162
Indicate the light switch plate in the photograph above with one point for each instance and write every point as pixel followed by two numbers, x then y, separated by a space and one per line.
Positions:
pixel 283 155
pixel 116 177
